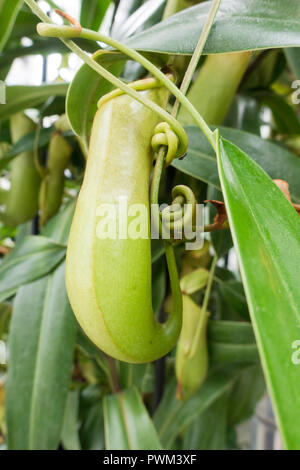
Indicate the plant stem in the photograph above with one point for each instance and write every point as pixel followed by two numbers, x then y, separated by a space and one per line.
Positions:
pixel 197 53
pixel 113 374
pixel 58 31
pixel 92 35
pixel 205 301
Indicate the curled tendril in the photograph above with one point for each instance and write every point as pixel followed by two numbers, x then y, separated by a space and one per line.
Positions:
pixel 181 213
pixel 164 135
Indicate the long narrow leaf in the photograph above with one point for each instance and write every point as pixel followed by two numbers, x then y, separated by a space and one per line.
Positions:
pixel 127 423
pixel 19 98
pixel 32 258
pixel 41 346
pixel 266 233
pixel 92 13
pixel 8 14
pixel 173 415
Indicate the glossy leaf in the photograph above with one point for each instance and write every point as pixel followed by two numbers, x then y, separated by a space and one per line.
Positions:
pixel 275 160
pixel 41 346
pixel 239 26
pixel 266 233
pixel 8 14
pixel 19 98
pixel 244 114
pixel 32 258
pixel 127 423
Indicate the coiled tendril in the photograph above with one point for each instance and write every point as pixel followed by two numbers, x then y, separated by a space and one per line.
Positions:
pixel 164 135
pixel 181 214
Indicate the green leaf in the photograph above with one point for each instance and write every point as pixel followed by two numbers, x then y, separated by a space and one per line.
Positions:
pixel 8 15
pixel 70 435
pixel 25 26
pixel 5 316
pixel 127 423
pixel 285 116
pixel 32 258
pixel 275 160
pixel 293 57
pixel 172 415
pixel 231 342
pixel 266 233
pixel 244 114
pixel 245 394
pixel 41 344
pixel 82 99
pixel 25 144
pixel 208 432
pixel 92 13
pixel 58 227
pixel 220 353
pixel 22 97
pixel 234 296
pixel 239 26
pixel 91 416
pixel 139 375
pixel 231 332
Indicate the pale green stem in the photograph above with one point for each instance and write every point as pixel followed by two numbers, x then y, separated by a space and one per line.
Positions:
pixel 57 31
pixel 197 53
pixel 205 301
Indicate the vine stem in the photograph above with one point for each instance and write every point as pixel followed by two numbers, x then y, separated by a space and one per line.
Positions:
pixel 205 301
pixel 113 376
pixel 183 89
pixel 197 53
pixel 50 29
